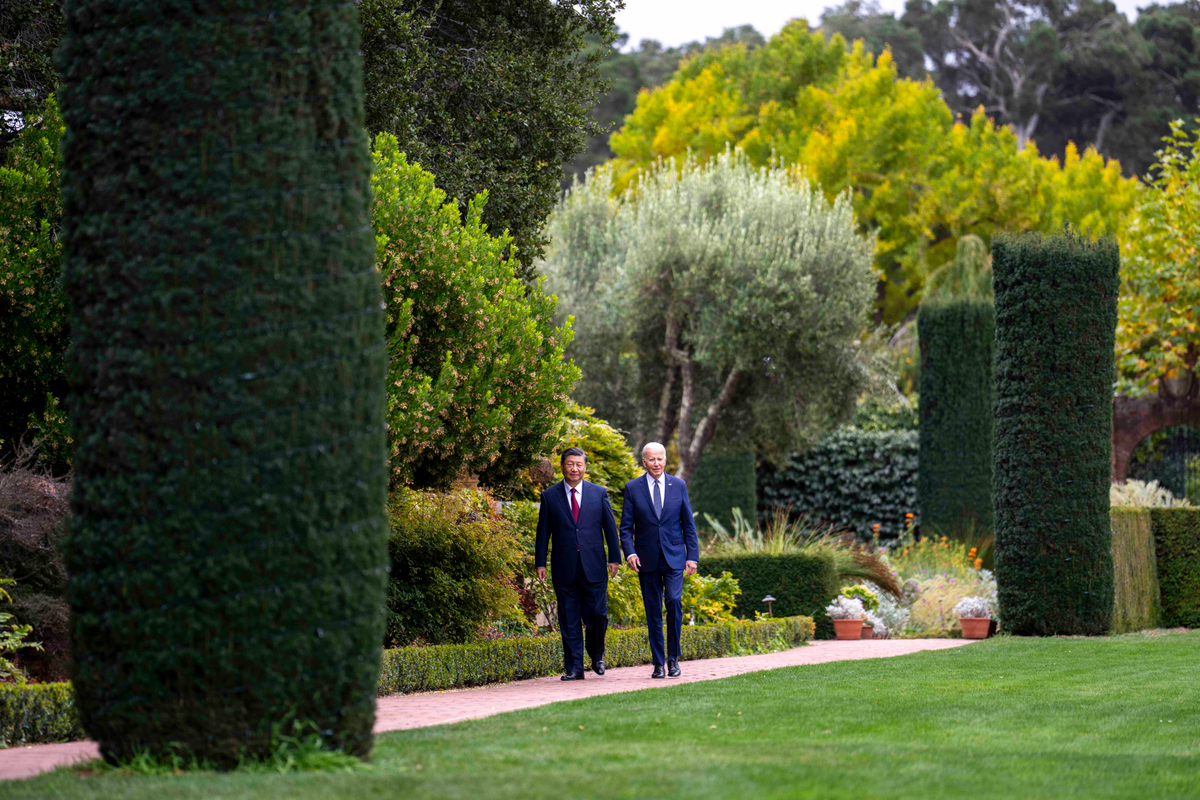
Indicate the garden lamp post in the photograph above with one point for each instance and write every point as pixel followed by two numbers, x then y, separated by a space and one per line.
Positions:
pixel 769 600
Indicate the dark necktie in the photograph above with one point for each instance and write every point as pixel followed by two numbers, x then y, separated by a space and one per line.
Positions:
pixel 657 501
pixel 574 506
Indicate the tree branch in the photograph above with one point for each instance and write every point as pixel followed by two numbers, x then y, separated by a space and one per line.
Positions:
pixel 693 446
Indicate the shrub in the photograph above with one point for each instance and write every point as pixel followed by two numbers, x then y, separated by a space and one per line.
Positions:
pixel 12 638
pixel 723 482
pixel 712 598
pixel 226 369
pixel 802 583
pixel 1056 312
pixel 1177 552
pixel 1136 603
pixel 954 485
pixel 452 565
pixel 851 479
pixel 610 463
pixel 936 597
pixel 477 381
pixel 868 598
pixel 929 556
pixel 33 330
pixel 38 712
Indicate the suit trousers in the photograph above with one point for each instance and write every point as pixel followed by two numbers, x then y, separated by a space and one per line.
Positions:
pixel 663 585
pixel 582 602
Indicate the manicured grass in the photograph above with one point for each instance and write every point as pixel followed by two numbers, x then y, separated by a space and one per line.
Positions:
pixel 1007 718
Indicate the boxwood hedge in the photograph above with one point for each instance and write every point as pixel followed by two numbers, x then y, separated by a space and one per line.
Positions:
pixel 1177 551
pixel 801 583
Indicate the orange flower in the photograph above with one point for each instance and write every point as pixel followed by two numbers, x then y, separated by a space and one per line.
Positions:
pixel 979 563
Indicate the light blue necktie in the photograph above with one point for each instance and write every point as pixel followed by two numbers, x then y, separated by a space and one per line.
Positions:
pixel 657 501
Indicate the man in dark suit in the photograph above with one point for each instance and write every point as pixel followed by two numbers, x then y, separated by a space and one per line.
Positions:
pixel 576 516
pixel 658 534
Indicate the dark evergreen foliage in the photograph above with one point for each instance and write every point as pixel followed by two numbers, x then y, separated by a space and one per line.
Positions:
pixel 954 483
pixel 1056 315
pixel 488 95
pixel 29 34
pixel 227 551
pixel 801 583
pixel 721 483
pixel 1177 547
pixel 852 479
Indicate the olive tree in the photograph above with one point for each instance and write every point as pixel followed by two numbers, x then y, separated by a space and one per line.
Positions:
pixel 711 291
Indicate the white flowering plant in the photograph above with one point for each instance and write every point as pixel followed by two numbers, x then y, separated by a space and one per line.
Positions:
pixel 846 608
pixel 973 608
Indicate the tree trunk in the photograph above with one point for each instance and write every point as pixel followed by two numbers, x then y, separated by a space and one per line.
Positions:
pixel 227 377
pixel 667 410
pixel 692 444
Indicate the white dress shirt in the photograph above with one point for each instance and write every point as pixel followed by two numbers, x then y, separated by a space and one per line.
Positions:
pixel 578 495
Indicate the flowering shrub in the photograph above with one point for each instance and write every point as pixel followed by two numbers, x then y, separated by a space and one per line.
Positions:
pixel 974 608
pixel 892 613
pixel 933 609
pixel 846 608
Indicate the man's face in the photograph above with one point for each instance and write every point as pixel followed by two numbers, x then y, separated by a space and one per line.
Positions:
pixel 573 468
pixel 654 459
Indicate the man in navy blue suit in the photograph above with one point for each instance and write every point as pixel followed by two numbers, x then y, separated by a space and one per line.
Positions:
pixel 576 516
pixel 658 534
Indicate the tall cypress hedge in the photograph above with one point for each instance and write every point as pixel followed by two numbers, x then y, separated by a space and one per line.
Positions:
pixel 226 368
pixel 1056 314
pixel 954 482
pixel 721 483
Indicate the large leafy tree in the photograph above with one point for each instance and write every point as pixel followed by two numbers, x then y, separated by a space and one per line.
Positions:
pixel 713 285
pixel 1158 334
pixel 919 178
pixel 227 374
pixel 488 96
pixel 29 34
pixel 477 381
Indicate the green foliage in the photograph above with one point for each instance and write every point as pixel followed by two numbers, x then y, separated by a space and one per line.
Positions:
pixel 33 330
pixel 227 368
pixel 1056 312
pixel 476 380
pixel 487 96
pixel 452 565
pixel 12 639
pixel 851 479
pixel 1136 597
pixel 711 598
pixel 898 413
pixel 423 669
pixel 723 482
pixel 966 277
pixel 722 268
pixel 35 713
pixel 954 483
pixel 29 36
pixel 1177 553
pixel 801 583
pixel 932 608
pixel 869 599
pixel 610 463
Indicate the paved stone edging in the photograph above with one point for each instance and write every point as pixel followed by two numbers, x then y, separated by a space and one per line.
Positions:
pixel 404 711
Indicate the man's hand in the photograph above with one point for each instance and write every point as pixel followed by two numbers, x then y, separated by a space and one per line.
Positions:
pixel 635 563
pixel 541 574
pixel 690 568
pixel 612 570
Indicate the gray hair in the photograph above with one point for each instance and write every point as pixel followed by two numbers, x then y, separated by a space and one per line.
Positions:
pixel 648 445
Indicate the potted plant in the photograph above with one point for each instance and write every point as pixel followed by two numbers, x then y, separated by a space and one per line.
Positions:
pixel 847 614
pixel 870 601
pixel 975 616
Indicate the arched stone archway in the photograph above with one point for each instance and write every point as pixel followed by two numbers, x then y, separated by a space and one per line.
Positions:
pixel 1135 418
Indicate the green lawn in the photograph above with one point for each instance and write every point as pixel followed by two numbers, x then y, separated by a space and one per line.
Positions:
pixel 1007 718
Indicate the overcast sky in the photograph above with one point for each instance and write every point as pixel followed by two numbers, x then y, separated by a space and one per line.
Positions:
pixel 674 22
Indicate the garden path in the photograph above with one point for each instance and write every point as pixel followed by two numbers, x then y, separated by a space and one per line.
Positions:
pixel 403 711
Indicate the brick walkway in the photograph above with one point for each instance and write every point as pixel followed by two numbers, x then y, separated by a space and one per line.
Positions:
pixel 400 712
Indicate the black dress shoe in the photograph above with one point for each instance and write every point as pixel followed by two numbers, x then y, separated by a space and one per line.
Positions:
pixel 598 666
pixel 658 672
pixel 572 676
pixel 672 668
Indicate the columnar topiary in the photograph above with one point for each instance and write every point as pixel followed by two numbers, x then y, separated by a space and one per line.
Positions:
pixel 956 325
pixel 1056 314
pixel 227 556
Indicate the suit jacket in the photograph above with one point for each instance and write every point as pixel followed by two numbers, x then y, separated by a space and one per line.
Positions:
pixel 574 542
pixel 674 535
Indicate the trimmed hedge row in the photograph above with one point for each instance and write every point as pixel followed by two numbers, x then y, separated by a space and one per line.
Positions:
pixel 722 483
pixel 1135 579
pixel 851 479
pixel 954 484
pixel 422 669
pixel 1056 316
pixel 39 713
pixel 1177 551
pixel 802 584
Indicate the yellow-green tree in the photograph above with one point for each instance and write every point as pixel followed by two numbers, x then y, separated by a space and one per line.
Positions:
pixel 1157 332
pixel 919 177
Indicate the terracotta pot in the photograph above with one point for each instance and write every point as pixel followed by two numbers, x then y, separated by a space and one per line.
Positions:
pixel 975 627
pixel 868 631
pixel 848 628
